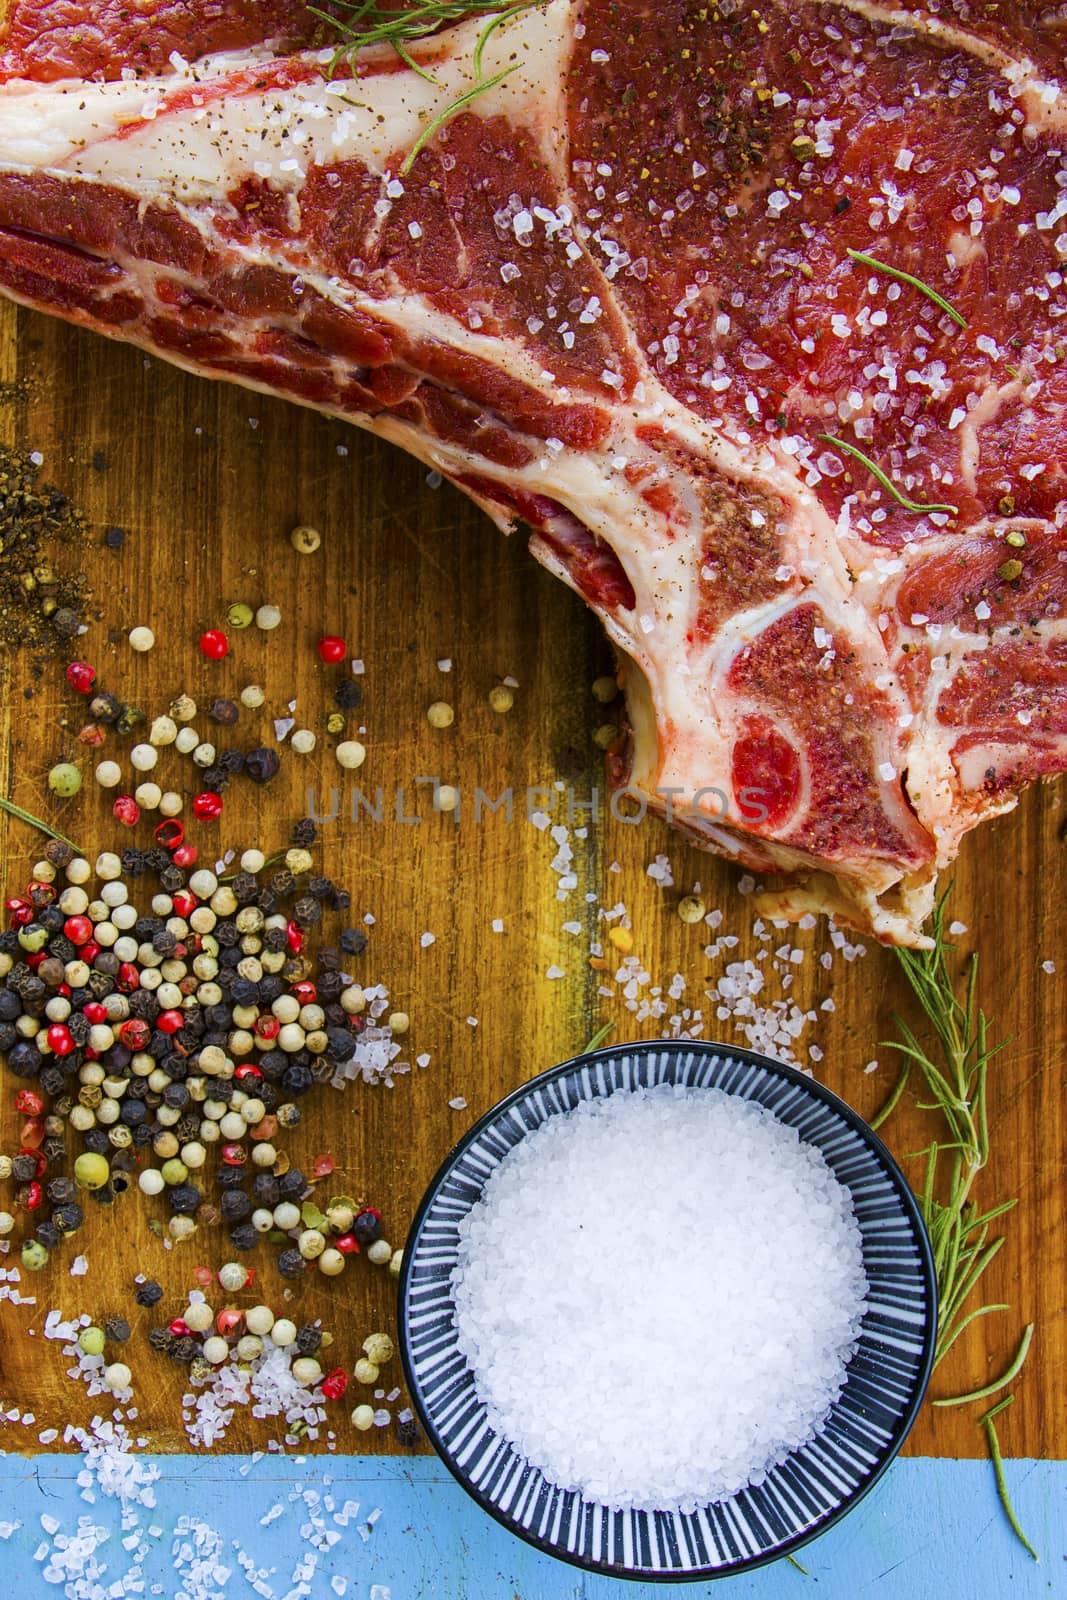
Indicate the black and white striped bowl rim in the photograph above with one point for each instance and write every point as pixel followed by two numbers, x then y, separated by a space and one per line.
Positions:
pixel 817 1484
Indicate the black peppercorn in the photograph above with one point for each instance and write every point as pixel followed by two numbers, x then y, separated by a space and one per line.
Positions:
pixel 291 1185
pixel 68 1218
pixel 158 1338
pixel 244 1237
pixel 224 712
pixel 296 1079
pixel 183 1199
pixel 48 1235
pixel 24 1168
pixel 308 1339
pixel 117 1328
pixel 353 941
pixel 231 762
pixel 59 853
pixel 341 900
pixel 79 1027
pixel 307 911
pixel 149 1293
pixel 172 879
pixel 184 1349
pixel 348 694
pixel 282 882
pixel 408 1433
pixel 60 1190
pixel 303 831
pixel 244 888
pixel 133 862
pixel 291 1263
pixel 262 764
pixel 367 1227
pixel 235 1205
pixel 340 1045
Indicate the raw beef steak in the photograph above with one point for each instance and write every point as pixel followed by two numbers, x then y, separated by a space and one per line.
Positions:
pixel 617 296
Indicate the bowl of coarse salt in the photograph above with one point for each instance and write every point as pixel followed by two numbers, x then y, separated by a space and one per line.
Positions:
pixel 668 1310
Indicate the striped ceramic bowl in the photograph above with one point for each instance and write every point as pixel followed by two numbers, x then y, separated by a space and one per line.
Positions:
pixel 818 1483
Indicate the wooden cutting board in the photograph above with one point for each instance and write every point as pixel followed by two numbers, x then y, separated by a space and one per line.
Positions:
pixel 207 481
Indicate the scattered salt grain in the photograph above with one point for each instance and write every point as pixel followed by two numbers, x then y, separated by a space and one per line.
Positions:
pixel 755 1287
pixel 458 1103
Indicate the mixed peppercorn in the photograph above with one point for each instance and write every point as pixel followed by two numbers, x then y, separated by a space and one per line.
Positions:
pixel 155 1033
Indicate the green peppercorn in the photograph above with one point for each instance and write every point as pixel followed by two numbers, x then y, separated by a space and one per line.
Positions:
pixel 91 1171
pixel 34 1255
pixel 240 615
pixel 91 1341
pixel 64 779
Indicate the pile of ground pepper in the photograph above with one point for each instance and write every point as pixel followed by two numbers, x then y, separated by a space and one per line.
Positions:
pixel 40 607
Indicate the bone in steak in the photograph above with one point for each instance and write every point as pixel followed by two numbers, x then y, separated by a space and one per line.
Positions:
pixel 613 298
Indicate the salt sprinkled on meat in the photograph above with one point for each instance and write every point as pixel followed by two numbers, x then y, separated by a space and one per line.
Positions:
pixel 755 1287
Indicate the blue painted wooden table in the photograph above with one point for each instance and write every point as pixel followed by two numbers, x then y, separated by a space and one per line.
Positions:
pixel 374 1529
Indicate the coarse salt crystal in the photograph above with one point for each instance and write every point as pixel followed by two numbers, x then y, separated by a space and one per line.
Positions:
pixel 715 1157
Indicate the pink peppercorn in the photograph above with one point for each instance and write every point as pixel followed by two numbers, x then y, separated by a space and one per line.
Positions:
pixel 81 676
pixel 126 810
pixel 214 644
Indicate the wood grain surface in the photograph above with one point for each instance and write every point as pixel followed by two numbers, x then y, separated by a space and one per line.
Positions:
pixel 208 480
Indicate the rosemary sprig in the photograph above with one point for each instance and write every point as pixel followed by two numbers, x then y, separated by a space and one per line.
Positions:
pixel 955 1076
pixel 914 506
pixel 373 22
pixel 916 283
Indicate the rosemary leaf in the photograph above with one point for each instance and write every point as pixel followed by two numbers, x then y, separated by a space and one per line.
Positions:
pixel 916 283
pixel 598 1038
pixel 457 105
pixel 972 1316
pixel 998 1383
pixel 36 822
pixel 894 1099
pixel 914 506
pixel 998 1470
